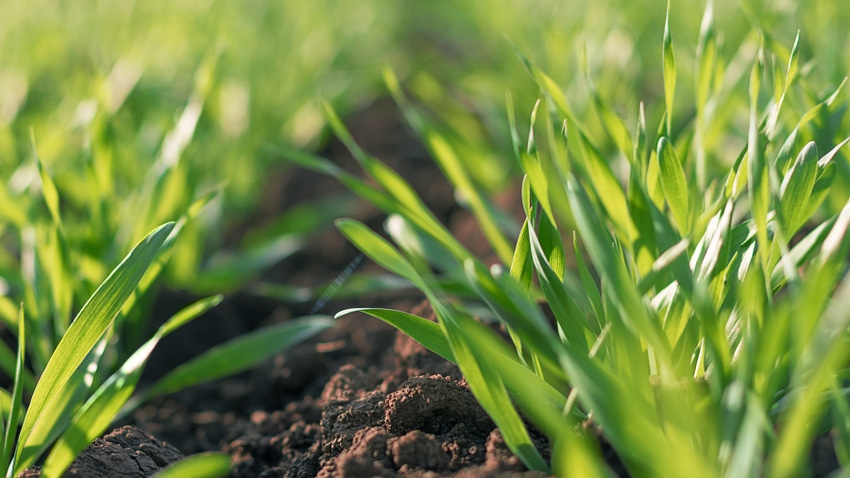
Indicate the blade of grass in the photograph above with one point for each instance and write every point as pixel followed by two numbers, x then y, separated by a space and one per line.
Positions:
pixel 669 61
pixel 16 400
pixel 95 416
pixel 429 334
pixel 675 185
pixel 92 321
pixel 240 353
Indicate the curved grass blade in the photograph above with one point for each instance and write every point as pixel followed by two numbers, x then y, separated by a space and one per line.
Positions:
pixel 429 334
pixel 15 402
pixel 101 409
pixel 675 185
pixel 89 326
pixel 796 189
pixel 757 169
pixel 669 61
pixel 240 353
pixel 453 168
pixel 483 381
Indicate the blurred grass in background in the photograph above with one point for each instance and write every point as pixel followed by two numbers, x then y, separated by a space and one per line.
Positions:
pixel 132 103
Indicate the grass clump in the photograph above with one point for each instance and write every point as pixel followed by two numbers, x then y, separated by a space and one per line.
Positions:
pixel 683 288
pixel 75 368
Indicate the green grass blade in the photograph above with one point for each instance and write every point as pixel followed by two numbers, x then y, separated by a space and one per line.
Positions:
pixel 603 255
pixel 240 353
pixel 567 313
pixel 16 404
pixel 377 249
pixel 669 62
pixel 92 321
pixel 481 208
pixel 607 188
pixel 453 168
pixel 521 265
pixel 590 287
pixel 615 127
pixel 100 410
pixel 201 465
pixel 675 185
pixel 543 402
pixel 488 388
pixel 706 56
pixel 796 189
pixel 429 334
pixel 413 209
pixel 757 169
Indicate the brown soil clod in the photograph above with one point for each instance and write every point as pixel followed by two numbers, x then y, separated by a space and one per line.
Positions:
pixel 125 451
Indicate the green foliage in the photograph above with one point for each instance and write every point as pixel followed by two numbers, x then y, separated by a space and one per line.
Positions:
pixel 703 329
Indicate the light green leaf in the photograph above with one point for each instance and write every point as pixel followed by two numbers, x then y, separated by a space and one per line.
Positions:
pixel 567 314
pixel 100 410
pixel 377 249
pixel 429 334
pixel 15 403
pixel 669 61
pixel 675 185
pixel 240 353
pixel 521 266
pixel 607 189
pixel 757 169
pixel 92 321
pixel 706 56
pixel 796 189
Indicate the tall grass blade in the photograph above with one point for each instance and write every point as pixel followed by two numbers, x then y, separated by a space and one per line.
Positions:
pixel 95 416
pixel 675 185
pixel 89 326
pixel 240 353
pixel 16 399
pixel 669 62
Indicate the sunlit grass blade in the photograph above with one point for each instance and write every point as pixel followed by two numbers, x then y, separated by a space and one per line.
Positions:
pixel 92 321
pixel 605 258
pixel 201 465
pixel 485 385
pixel 429 334
pixel 757 169
pixel 544 403
pixel 706 56
pixel 488 388
pixel 95 416
pixel 577 456
pixel 453 168
pixel 615 127
pixel 796 189
pixel 567 314
pixel 377 249
pixel 830 350
pixel 607 189
pixel 414 210
pixel 669 62
pixel 240 353
pixel 521 265
pixel 675 185
pixel 16 405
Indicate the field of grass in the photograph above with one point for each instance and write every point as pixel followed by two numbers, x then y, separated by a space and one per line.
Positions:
pixel 685 184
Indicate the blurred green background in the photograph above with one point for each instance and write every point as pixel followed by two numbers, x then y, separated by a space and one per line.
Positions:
pixel 138 108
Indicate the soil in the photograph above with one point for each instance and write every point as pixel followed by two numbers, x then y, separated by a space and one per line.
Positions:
pixel 358 400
